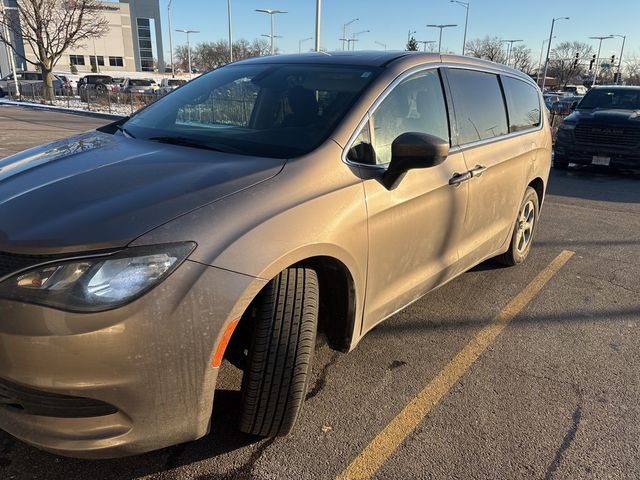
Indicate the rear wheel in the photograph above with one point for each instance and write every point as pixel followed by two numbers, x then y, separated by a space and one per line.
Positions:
pixel 523 230
pixel 275 381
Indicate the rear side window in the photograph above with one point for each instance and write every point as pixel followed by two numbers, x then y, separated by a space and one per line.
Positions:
pixel 478 104
pixel 523 104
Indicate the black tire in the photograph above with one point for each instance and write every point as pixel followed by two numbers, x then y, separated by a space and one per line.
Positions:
pixel 518 251
pixel 275 382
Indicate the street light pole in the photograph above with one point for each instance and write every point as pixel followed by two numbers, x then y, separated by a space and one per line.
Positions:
pixel 344 32
pixel 624 38
pixel 595 73
pixel 173 70
pixel 354 39
pixel 318 18
pixel 540 61
pixel 441 27
pixel 546 62
pixel 271 13
pixel 230 32
pixel 510 42
pixel 300 42
pixel 466 21
pixel 424 44
pixel 383 45
pixel 188 32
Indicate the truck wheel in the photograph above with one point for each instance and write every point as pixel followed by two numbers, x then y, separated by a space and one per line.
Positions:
pixel 275 382
pixel 523 230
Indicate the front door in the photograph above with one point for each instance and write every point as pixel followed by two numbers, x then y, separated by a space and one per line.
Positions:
pixel 415 228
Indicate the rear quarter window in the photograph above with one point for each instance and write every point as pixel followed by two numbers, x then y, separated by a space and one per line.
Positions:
pixel 523 104
pixel 478 105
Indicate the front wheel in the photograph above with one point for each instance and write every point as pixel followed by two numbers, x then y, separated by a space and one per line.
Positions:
pixel 275 381
pixel 523 230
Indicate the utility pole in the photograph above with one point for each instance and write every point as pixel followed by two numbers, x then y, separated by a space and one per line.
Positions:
pixel 595 73
pixel 441 27
pixel 12 63
pixel 271 13
pixel 540 61
pixel 354 38
pixel 546 62
pixel 466 21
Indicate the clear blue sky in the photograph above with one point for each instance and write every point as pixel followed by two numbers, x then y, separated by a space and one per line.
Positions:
pixel 390 20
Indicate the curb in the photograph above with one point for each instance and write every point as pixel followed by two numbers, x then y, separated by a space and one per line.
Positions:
pixel 52 108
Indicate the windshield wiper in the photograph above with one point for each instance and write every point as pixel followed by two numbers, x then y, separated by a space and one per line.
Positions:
pixel 125 131
pixel 188 142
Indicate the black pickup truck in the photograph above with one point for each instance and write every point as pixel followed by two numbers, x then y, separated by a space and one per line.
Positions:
pixel 604 129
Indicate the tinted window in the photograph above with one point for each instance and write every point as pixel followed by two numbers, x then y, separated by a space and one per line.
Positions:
pixel 415 105
pixel 276 110
pixel 523 103
pixel 612 98
pixel 479 106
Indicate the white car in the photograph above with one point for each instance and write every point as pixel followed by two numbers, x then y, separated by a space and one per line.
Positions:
pixel 167 85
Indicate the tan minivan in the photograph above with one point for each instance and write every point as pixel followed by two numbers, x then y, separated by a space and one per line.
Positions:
pixel 236 218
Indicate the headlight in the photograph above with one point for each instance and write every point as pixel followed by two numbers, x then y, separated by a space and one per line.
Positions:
pixel 96 283
pixel 567 126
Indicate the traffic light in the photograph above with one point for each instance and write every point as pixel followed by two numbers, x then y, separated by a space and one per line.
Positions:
pixel 613 58
pixel 593 60
pixel 575 62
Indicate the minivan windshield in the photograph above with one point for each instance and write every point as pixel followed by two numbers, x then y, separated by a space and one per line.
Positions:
pixel 611 98
pixel 269 110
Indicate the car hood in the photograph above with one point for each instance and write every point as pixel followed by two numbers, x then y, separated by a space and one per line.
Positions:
pixel 610 116
pixel 97 191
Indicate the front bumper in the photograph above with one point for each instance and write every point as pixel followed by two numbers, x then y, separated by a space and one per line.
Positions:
pixel 149 361
pixel 583 154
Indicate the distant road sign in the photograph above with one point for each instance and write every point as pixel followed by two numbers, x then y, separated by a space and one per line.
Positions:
pixel 605 66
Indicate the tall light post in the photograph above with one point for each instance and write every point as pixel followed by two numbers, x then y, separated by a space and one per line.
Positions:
pixel 540 61
pixel 383 45
pixel 344 32
pixel 230 32
pixel 510 42
pixel 7 35
pixel 188 32
pixel 441 27
pixel 425 43
pixel 546 61
pixel 354 38
pixel 466 21
pixel 173 70
pixel 595 73
pixel 300 42
pixel 318 18
pixel 271 13
pixel 624 38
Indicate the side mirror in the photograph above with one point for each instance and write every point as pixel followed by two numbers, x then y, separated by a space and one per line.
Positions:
pixel 413 150
pixel 574 105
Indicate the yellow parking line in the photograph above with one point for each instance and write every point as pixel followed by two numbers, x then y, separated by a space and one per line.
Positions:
pixel 367 463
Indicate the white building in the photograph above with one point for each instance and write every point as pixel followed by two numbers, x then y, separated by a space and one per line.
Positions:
pixel 132 44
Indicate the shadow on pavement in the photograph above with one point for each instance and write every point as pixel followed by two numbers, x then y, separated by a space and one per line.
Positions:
pixel 603 184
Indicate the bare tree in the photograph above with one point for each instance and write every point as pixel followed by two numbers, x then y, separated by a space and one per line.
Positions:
pixel 209 55
pixel 489 48
pixel 562 61
pixel 51 27
pixel 521 58
pixel 631 70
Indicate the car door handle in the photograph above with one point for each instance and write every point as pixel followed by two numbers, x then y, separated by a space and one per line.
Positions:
pixel 458 178
pixel 478 170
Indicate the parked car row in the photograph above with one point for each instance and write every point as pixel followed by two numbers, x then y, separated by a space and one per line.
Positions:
pixel 30 81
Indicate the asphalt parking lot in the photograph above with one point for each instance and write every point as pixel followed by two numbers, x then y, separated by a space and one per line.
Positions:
pixel 526 372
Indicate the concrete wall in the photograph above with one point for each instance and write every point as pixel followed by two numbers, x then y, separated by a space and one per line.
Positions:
pixel 146 9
